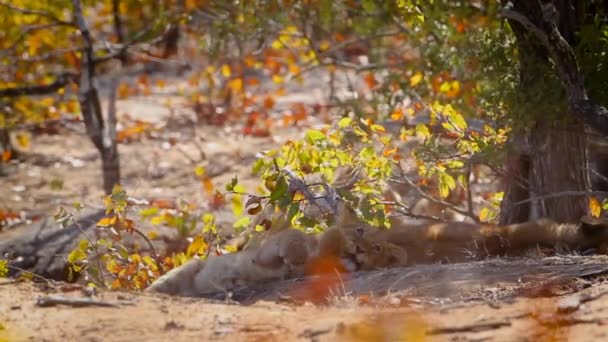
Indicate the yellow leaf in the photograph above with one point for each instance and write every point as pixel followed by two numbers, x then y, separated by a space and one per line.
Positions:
pixel 156 220
pixel 107 221
pixel 76 255
pixel 484 215
pixel 422 131
pixel 446 183
pixel 226 71
pixel 199 171
pixel 152 235
pixel 416 79
pixel 324 45
pixel 236 85
pixel 377 128
pixel 198 246
pixel 277 79
pixel 22 139
pixel 237 206
pixel 3 268
pixel 595 207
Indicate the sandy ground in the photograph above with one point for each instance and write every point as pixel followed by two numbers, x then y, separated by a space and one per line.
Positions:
pixel 149 317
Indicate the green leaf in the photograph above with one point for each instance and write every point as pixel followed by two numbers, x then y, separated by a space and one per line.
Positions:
pixel 280 190
pixel 146 213
pixel 422 131
pixel 345 122
pixel 313 136
pixel 76 255
pixel 237 205
pixel 230 186
pixel 446 183
pixel 242 223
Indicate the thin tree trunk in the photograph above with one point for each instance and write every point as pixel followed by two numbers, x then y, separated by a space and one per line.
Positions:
pixel 102 133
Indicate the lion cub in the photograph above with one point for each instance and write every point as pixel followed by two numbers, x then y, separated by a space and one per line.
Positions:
pixel 280 255
pixel 405 244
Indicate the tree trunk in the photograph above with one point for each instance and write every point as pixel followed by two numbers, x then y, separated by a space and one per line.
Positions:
pixel 554 154
pixel 110 165
pixel 559 164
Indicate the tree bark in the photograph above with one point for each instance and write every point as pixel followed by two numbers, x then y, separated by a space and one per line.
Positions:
pixel 556 151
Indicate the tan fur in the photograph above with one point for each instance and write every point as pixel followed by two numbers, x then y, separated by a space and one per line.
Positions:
pixel 282 251
pixel 460 241
pixel 277 256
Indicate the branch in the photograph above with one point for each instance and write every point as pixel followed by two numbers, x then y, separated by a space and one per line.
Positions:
pixel 421 192
pixel 61 81
pixel 569 193
pixel 405 210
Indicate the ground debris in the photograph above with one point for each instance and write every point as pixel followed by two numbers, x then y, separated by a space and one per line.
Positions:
pixel 53 300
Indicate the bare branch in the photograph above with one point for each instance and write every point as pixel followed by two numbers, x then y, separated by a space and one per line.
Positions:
pixel 405 180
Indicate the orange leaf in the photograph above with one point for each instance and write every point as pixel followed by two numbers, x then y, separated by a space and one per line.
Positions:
pixel 123 90
pixel 370 80
pixel 268 102
pixel 163 204
pixel 236 85
pixel 208 185
pixel 397 114
pixel 299 112
pixel 6 155
pixel 253 81
pixel 389 151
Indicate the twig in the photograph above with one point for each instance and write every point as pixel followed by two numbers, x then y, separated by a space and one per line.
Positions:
pixel 421 192
pixel 469 190
pixel 49 301
pixel 143 236
pixel 407 211
pixel 61 81
pixel 313 333
pixel 37 276
pixel 475 327
pixel 561 194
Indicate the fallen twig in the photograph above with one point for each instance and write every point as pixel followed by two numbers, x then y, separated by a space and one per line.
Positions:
pixel 475 327
pixel 49 301
pixel 312 333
